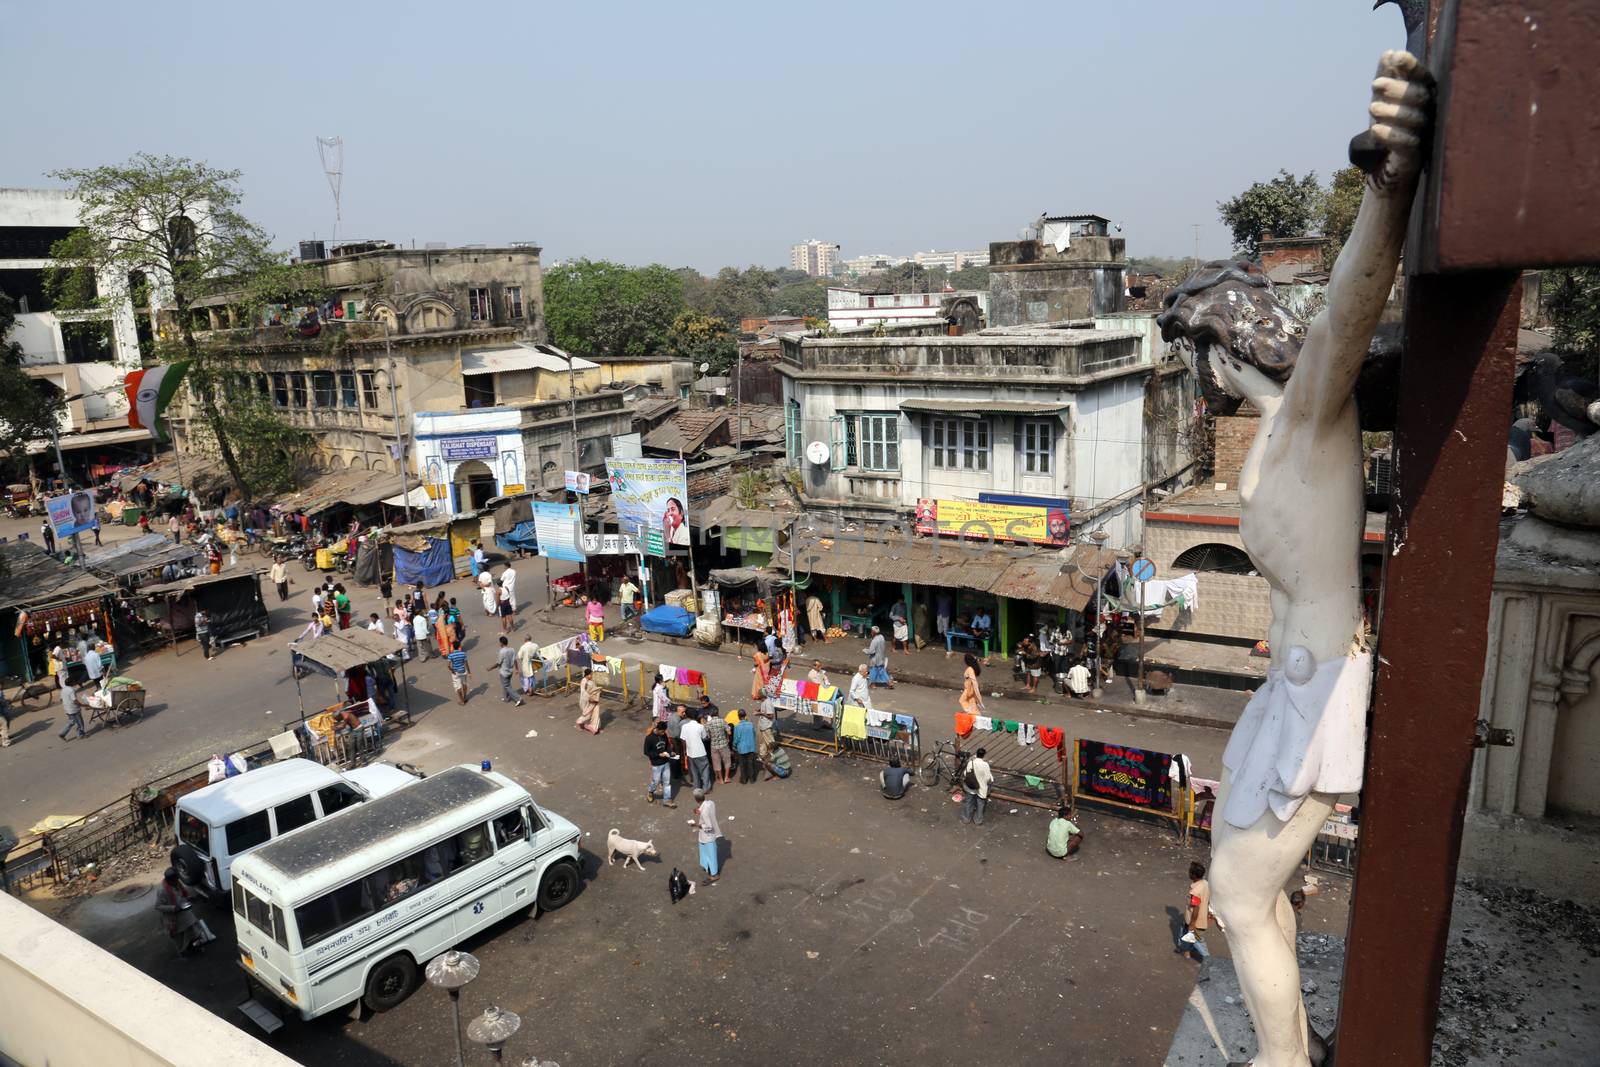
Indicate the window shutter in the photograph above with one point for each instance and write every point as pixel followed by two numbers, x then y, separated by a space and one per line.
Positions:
pixel 836 443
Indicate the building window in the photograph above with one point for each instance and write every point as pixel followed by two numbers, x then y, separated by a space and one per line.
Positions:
pixel 1038 445
pixel 479 390
pixel 322 388
pixel 297 385
pixel 796 432
pixel 514 301
pixel 264 386
pixel 959 444
pixel 347 388
pixel 478 305
pixel 1218 558
pixel 877 443
pixel 369 390
pixel 280 390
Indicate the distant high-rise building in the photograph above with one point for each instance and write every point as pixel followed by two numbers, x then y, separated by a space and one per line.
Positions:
pixel 814 257
pixel 951 261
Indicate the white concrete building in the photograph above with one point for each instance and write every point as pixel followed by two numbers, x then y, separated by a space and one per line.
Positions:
pixel 468 457
pixel 850 309
pixel 951 261
pixel 816 258
pixel 82 353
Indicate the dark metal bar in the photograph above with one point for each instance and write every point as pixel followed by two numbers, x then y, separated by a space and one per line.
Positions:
pixel 1455 403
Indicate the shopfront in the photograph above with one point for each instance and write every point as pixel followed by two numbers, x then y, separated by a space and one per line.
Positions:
pixel 469 458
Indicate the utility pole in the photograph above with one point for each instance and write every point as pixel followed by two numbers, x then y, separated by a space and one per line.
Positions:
pixel 577 458
pixel 738 399
pixel 399 434
pixel 1196 245
pixel 61 466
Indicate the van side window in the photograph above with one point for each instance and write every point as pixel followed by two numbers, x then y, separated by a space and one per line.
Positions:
pixel 193 832
pixel 337 797
pixel 280 929
pixel 332 912
pixel 295 813
pixel 238 899
pixel 509 828
pixel 248 832
pixel 535 823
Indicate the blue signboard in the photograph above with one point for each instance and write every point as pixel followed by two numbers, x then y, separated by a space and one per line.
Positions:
pixel 457 449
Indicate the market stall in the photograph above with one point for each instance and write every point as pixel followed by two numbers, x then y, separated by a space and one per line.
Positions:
pixel 45 604
pixel 233 602
pixel 434 551
pixel 353 656
pixel 751 599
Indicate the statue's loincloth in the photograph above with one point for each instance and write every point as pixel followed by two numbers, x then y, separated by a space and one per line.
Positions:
pixel 1295 739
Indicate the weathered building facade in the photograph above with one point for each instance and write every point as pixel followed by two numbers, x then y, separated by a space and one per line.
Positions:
pixel 1073 270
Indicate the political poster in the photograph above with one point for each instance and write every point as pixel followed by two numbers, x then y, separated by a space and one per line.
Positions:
pixel 556 527
pixel 1122 774
pixel 974 520
pixel 652 495
pixel 72 513
pixel 575 481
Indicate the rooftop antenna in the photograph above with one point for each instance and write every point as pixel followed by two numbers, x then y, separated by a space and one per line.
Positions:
pixel 331 152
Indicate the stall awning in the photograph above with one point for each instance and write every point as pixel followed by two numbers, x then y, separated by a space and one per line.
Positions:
pixel 982 408
pixel 70 441
pixel 895 559
pixel 519 357
pixel 31 577
pixel 340 650
pixel 1041 578
pixel 418 499
pixel 145 553
pixel 184 585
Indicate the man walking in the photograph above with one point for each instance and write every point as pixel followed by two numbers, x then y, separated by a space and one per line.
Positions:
pixel 706 832
pixel 49 537
pixel 717 741
pixel 71 711
pixel 527 656
pixel 175 528
pixel 975 787
pixel 1197 918
pixel 627 593
pixel 506 660
pixel 280 578
pixel 506 608
pixel 744 747
pixel 658 750
pixel 202 630
pixel 460 673
pixel 693 736
pixel 877 652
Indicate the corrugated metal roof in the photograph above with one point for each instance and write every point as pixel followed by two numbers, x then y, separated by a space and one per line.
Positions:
pixel 32 578
pixel 519 357
pixel 919 562
pixel 1039 578
pixel 339 650
pixel 145 553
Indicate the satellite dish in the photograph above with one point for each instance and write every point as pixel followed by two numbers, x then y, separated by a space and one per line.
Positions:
pixel 704 367
pixel 817 452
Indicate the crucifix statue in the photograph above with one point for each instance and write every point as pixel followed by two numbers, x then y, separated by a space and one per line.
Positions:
pixel 1299 744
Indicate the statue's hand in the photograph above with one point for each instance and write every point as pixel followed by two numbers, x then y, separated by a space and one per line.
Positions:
pixel 1401 110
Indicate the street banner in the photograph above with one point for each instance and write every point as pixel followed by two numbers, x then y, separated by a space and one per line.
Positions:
pixel 576 482
pixel 610 544
pixel 653 494
pixel 72 513
pixel 556 527
pixel 999 522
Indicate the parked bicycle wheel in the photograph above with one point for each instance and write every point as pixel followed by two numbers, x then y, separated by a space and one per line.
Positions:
pixel 929 774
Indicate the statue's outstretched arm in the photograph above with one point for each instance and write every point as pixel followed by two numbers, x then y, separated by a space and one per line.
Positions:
pixel 1337 342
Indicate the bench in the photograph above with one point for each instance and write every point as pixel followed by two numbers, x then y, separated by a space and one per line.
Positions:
pixel 971 641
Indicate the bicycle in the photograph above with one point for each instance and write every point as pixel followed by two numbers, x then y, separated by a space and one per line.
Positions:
pixel 945 761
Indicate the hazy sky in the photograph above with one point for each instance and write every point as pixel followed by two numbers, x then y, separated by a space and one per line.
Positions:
pixel 699 133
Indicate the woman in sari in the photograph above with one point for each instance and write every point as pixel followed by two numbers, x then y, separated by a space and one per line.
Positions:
pixel 971 692
pixel 761 673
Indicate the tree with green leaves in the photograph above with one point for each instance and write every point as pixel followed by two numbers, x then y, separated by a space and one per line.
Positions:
pixel 29 408
pixel 703 338
pixel 1339 208
pixel 1286 206
pixel 808 299
pixel 176 223
pixel 599 308
pixel 1572 301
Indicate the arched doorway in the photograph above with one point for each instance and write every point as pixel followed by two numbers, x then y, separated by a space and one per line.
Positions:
pixel 474 485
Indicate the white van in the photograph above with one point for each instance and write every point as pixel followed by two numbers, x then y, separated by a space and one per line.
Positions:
pixel 353 908
pixel 222 821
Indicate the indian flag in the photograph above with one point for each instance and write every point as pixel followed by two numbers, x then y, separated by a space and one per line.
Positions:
pixel 149 392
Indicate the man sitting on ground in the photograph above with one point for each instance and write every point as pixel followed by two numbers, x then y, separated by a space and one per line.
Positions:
pixel 894 780
pixel 1063 837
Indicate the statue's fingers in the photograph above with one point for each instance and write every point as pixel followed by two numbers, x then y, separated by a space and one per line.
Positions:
pixel 1398 64
pixel 1396 138
pixel 1399 91
pixel 1398 114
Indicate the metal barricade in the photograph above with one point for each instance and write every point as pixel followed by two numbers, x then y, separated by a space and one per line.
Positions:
pixel 900 738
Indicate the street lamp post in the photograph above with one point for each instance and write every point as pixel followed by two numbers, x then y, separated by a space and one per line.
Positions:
pixel 394 413
pixel 493 1029
pixel 577 458
pixel 451 972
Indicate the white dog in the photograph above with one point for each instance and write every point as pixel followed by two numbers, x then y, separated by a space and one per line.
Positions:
pixel 631 850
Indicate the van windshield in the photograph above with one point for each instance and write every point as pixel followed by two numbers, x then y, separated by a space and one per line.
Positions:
pixel 192 831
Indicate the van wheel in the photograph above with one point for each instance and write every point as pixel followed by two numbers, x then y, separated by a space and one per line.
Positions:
pixel 559 886
pixel 390 982
pixel 190 867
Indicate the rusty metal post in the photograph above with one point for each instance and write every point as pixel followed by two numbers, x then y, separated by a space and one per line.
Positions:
pixel 1455 403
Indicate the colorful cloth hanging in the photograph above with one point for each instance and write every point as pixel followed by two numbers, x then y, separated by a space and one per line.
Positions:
pixel 1011 726
pixel 853 724
pixel 827 693
pixel 808 690
pixel 876 717
pixel 693 677
pixel 1034 781
pixel 963 724
pixel 1050 736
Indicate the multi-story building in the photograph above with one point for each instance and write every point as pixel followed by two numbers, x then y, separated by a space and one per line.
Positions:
pixel 85 354
pixel 868 264
pixel 816 258
pixel 951 261
pixel 850 309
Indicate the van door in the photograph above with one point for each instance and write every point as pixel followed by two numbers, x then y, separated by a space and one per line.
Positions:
pixel 513 840
pixel 471 859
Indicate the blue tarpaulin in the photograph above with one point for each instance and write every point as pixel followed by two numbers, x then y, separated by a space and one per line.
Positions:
pixel 667 619
pixel 521 538
pixel 433 567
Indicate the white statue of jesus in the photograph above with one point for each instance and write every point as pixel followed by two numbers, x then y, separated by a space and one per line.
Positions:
pixel 1300 742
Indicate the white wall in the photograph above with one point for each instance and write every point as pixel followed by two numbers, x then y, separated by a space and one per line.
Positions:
pixel 1107 453
pixel 68 1003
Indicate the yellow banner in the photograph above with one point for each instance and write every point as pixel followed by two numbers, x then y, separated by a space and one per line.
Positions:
pixel 1000 522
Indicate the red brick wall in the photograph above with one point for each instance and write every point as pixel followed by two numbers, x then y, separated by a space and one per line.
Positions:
pixel 1234 436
